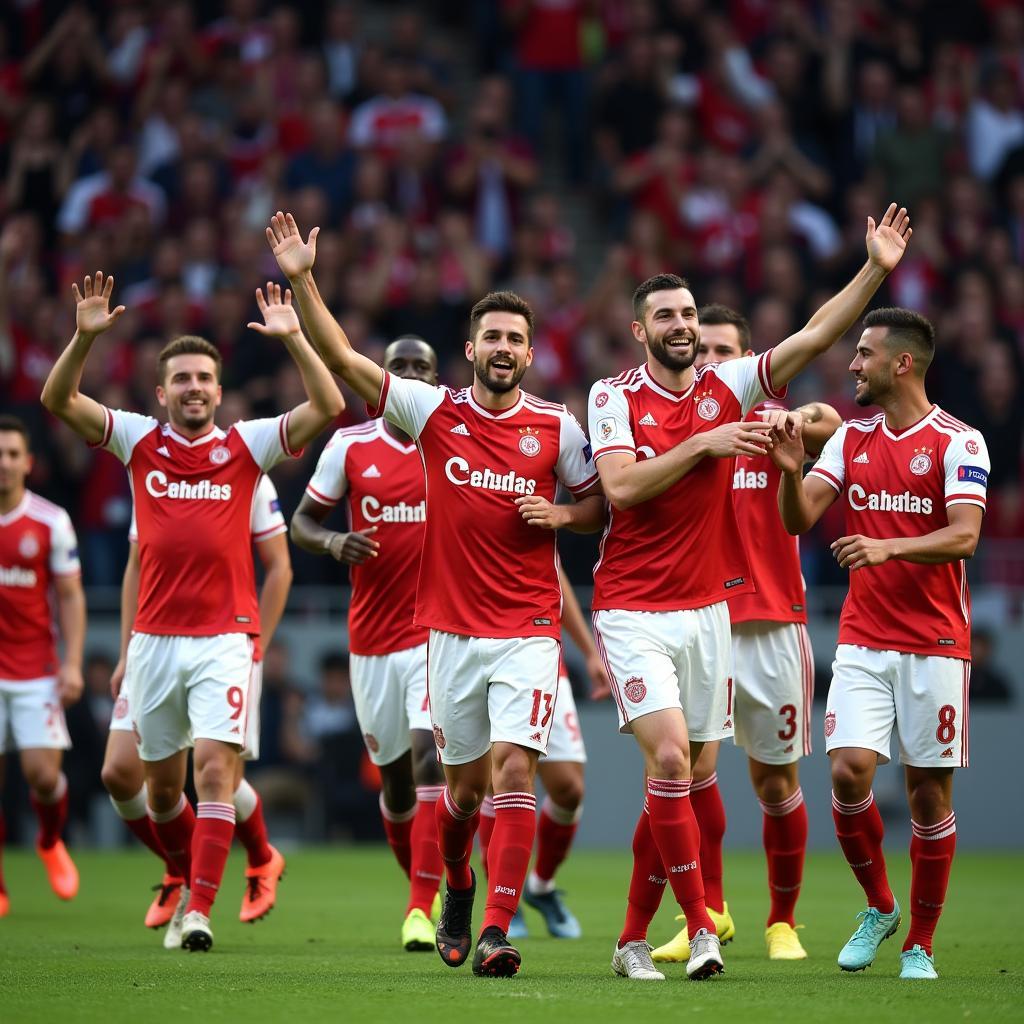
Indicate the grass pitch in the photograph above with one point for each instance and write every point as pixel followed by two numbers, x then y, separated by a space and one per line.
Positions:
pixel 330 951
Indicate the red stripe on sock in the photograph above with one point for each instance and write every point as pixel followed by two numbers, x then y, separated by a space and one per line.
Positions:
pixel 515 824
pixel 706 800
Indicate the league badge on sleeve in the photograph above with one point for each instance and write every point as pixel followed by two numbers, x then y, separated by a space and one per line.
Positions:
pixel 605 429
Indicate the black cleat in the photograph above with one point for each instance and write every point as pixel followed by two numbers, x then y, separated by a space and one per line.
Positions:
pixel 495 957
pixel 455 927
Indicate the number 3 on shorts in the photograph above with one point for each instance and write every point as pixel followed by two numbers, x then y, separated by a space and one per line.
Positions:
pixel 535 713
pixel 236 701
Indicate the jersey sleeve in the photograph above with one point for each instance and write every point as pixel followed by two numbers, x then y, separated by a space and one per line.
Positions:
pixel 575 466
pixel 750 380
pixel 831 465
pixel 267 518
pixel 122 431
pixel 967 467
pixel 267 440
pixel 64 547
pixel 329 481
pixel 608 412
pixel 407 403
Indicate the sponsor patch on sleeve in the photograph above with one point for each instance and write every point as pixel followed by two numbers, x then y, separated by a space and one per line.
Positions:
pixel 606 429
pixel 275 505
pixel 972 475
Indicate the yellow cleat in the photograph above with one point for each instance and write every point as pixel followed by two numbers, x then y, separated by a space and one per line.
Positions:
pixel 435 908
pixel 418 933
pixel 783 942
pixel 677 950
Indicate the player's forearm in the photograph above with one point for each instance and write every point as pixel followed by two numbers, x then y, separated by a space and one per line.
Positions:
pixel 587 515
pixel 637 482
pixel 325 402
pixel 129 599
pixel 795 508
pixel 950 544
pixel 310 535
pixel 273 597
pixel 61 387
pixel 821 421
pixel 71 617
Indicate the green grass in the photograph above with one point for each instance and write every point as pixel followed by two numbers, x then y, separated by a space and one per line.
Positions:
pixel 330 951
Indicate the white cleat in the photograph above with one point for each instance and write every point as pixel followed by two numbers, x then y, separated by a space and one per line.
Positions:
pixel 172 937
pixel 634 961
pixel 705 956
pixel 196 934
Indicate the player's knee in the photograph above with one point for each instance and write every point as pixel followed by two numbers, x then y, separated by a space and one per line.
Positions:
pixel 398 790
pixel 215 778
pixel 514 775
pixel 775 788
pixel 929 802
pixel 670 761
pixel 42 779
pixel 850 780
pixel 117 782
pixel 162 796
pixel 426 769
pixel 467 796
pixel 567 793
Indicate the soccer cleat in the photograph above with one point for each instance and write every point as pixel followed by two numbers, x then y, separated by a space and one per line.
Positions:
pixel 161 910
pixel 418 933
pixel 916 963
pixel 705 958
pixel 560 920
pixel 876 927
pixel 196 934
pixel 633 961
pixel 677 950
pixel 495 957
pixel 783 942
pixel 454 937
pixel 5 903
pixel 517 928
pixel 60 869
pixel 261 888
pixel 172 937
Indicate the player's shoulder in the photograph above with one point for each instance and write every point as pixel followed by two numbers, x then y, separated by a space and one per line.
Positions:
pixel 864 425
pixel 945 423
pixel 44 511
pixel 543 406
pixel 628 380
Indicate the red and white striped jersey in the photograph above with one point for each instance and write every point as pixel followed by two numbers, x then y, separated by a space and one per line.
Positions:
pixel 381 482
pixel 900 485
pixel 681 549
pixel 37 544
pixel 484 572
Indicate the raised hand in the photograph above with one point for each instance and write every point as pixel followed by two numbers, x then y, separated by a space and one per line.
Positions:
pixel 92 311
pixel 293 256
pixel 279 316
pixel 887 242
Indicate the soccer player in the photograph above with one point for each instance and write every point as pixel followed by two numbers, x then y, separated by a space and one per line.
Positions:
pixel 376 470
pixel 913 481
pixel 122 771
pixel 190 660
pixel 665 437
pixel 773 672
pixel 488 587
pixel 38 554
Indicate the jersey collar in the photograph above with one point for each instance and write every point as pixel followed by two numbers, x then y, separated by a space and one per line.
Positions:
pixel 672 396
pixel 898 435
pixel 214 433
pixel 384 434
pixel 18 511
pixel 504 415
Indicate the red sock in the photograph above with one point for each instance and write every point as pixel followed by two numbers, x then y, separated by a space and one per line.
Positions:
pixel 785 843
pixel 211 844
pixel 398 829
pixel 425 877
pixel 486 828
pixel 455 831
pixel 133 813
pixel 931 857
pixel 647 884
pixel 556 829
pixel 708 809
pixel 250 827
pixel 3 840
pixel 51 814
pixel 174 832
pixel 675 831
pixel 859 830
pixel 515 825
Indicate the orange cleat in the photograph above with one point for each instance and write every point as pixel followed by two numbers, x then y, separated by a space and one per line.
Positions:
pixel 60 869
pixel 5 904
pixel 261 888
pixel 161 910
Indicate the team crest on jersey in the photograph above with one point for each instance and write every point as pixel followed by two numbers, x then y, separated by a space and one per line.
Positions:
pixel 529 444
pixel 121 707
pixel 972 447
pixel 921 463
pixel 219 455
pixel 635 689
pixel 28 546
pixel 439 740
pixel 707 406
pixel 371 742
pixel 601 400
pixel 830 723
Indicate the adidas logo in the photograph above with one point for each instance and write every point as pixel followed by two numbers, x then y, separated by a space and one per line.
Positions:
pixel 371 472
pixel 162 450
pixel 648 421
pixel 862 458
pixel 460 429
pixel 948 752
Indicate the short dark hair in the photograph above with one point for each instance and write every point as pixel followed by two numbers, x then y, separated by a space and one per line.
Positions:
pixel 658 283
pixel 186 345
pixel 715 313
pixel 906 328
pixel 11 424
pixel 501 302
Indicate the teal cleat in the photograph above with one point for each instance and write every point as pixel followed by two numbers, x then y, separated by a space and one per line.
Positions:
pixel 561 922
pixel 517 928
pixel 876 927
pixel 916 963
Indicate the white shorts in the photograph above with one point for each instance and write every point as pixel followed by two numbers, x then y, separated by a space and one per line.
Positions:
pixel 390 694
pixel 660 660
pixel 923 697
pixel 185 688
pixel 773 681
pixel 30 709
pixel 485 690
pixel 566 740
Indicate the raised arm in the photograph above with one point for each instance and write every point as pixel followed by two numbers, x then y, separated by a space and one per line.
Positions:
pixel 277 581
pixel 296 258
pixel 129 606
pixel 60 394
pixel 886 244
pixel 325 403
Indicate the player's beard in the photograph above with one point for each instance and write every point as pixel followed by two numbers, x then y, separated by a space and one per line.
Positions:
pixel 194 420
pixel 673 361
pixel 499 387
pixel 873 392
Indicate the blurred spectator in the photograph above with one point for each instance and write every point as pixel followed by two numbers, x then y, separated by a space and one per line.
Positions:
pixel 995 123
pixel 989 684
